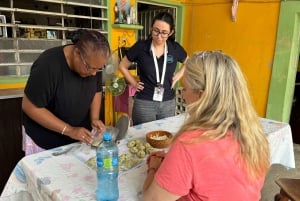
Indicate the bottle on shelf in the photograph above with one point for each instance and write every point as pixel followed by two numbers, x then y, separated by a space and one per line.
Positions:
pixel 107 169
pixel 133 15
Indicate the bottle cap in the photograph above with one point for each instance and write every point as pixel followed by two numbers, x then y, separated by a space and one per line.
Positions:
pixel 107 136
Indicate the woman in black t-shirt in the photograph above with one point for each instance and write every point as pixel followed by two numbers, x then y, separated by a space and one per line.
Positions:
pixel 156 60
pixel 63 93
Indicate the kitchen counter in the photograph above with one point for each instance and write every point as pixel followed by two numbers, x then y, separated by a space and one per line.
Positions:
pixel 11 93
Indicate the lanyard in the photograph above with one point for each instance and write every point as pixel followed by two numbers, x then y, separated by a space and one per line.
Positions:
pixel 156 65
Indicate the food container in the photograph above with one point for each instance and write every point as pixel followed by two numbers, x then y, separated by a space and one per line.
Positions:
pixel 159 138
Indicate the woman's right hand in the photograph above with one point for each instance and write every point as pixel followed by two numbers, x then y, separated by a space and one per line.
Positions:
pixel 139 86
pixel 80 134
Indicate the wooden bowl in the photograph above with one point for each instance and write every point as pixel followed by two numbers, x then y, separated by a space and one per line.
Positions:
pixel 159 138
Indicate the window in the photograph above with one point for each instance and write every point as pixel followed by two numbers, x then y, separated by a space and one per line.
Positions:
pixel 29 27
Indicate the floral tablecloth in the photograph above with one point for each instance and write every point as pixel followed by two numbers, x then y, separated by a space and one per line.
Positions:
pixel 67 177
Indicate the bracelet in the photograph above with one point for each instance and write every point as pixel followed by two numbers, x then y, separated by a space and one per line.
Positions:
pixel 151 169
pixel 64 129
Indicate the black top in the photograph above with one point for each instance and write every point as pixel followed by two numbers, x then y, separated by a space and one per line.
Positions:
pixel 68 96
pixel 141 53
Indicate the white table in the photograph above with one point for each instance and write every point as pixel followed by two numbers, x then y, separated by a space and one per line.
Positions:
pixel 280 140
pixel 67 177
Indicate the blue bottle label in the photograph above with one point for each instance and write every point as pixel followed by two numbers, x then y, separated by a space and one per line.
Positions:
pixel 115 161
pixel 99 162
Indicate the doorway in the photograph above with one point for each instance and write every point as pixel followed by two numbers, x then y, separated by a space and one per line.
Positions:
pixel 295 112
pixel 146 13
pixel 285 64
pixel 148 9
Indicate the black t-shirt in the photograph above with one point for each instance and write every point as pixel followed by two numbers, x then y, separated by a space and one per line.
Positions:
pixel 141 53
pixel 63 92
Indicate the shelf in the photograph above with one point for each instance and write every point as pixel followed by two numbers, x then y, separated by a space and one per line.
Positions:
pixel 128 26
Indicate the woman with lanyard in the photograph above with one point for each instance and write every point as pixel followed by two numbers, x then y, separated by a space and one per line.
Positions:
pixel 156 59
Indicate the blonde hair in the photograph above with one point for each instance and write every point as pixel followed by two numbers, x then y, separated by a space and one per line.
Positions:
pixel 225 104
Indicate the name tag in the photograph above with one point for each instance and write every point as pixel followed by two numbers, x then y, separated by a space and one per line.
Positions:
pixel 158 94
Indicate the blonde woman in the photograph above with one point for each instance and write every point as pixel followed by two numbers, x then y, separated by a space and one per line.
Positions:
pixel 220 152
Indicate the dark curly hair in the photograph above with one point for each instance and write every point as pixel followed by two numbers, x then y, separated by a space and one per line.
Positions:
pixel 90 39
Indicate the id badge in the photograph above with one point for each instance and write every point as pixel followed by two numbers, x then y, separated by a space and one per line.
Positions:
pixel 158 94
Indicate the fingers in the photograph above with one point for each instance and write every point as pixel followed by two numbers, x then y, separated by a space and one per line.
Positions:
pixel 154 162
pixel 158 155
pixel 139 86
pixel 82 134
pixel 86 138
pixel 173 84
pixel 98 125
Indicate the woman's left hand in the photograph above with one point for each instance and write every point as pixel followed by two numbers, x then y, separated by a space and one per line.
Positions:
pixel 179 74
pixel 97 125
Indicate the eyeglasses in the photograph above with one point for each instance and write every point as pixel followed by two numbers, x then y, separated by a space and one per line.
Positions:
pixel 207 52
pixel 88 67
pixel 202 56
pixel 157 32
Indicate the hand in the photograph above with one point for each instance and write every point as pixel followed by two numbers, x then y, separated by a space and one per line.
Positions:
pixel 139 86
pixel 175 78
pixel 155 162
pixel 97 125
pixel 80 133
pixel 155 158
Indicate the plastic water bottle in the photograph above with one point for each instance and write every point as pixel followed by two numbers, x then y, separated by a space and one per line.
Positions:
pixel 107 169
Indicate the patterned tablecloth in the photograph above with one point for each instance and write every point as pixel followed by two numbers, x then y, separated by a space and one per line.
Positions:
pixel 67 177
